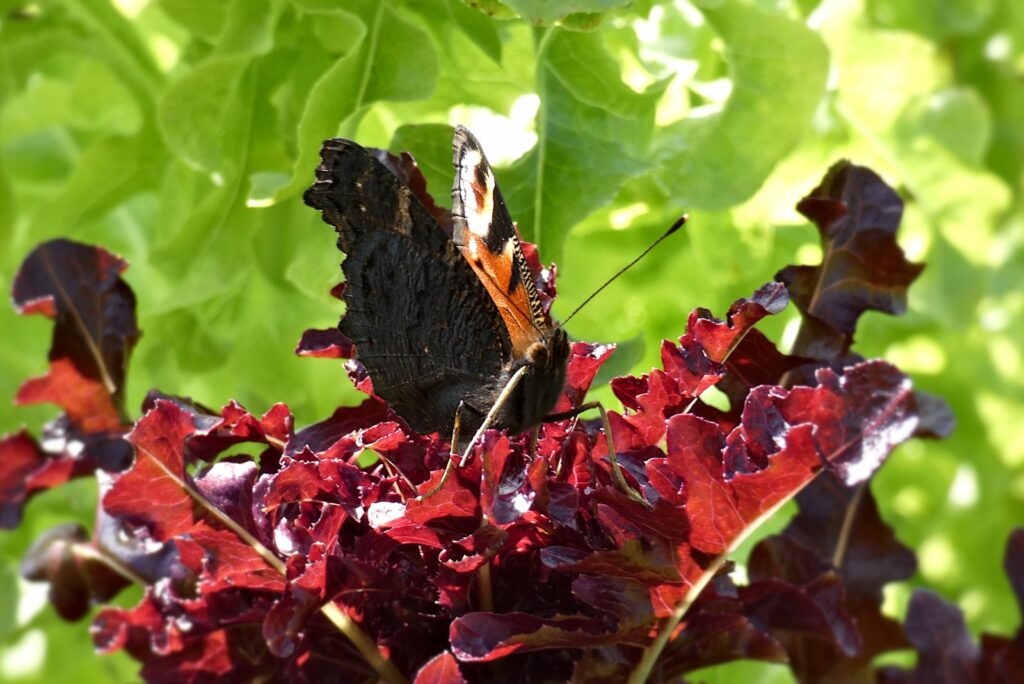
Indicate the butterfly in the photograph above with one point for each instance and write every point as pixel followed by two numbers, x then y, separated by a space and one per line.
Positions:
pixel 445 324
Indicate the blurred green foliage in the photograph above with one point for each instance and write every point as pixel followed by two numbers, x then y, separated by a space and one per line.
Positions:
pixel 180 133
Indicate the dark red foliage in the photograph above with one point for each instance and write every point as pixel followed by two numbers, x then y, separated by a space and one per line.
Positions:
pixel 946 652
pixel 24 470
pixel 64 557
pixel 547 560
pixel 837 541
pixel 81 289
pixel 862 267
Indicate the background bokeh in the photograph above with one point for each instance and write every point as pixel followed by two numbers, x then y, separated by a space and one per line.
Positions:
pixel 180 133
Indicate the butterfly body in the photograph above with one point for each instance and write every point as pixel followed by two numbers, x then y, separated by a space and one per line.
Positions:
pixel 441 322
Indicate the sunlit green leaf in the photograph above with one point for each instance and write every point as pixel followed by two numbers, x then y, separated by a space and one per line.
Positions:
pixel 544 12
pixel 722 158
pixel 431 146
pixel 384 58
pixel 593 131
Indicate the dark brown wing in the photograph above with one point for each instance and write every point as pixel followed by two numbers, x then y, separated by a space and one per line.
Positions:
pixel 422 322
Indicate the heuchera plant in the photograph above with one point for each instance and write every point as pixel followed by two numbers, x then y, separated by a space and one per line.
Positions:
pixel 318 557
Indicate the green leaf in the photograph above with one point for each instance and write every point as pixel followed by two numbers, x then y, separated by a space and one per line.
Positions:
pixel 956 117
pixel 206 114
pixel 249 27
pixel 492 8
pixel 476 27
pixel 200 17
pixel 387 59
pixel 938 20
pixel 8 208
pixel 109 171
pixel 199 115
pixel 431 146
pixel 778 68
pixel 8 598
pixel 478 65
pixel 546 12
pixel 115 41
pixel 593 131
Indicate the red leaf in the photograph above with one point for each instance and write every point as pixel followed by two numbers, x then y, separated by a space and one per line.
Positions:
pixel 88 403
pixel 862 269
pixel 80 286
pixel 452 500
pixel 720 338
pixel 151 493
pixel 870 558
pixel 64 557
pixel 441 669
pixel 482 637
pixel 228 562
pixel 325 344
pixel 946 652
pixel 585 360
pixel 24 470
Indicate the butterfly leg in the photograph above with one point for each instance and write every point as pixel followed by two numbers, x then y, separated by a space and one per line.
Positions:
pixel 456 424
pixel 502 399
pixel 448 466
pixel 506 392
pixel 617 475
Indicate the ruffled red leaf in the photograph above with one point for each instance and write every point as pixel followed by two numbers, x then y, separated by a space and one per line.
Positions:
pixel 946 652
pixel 862 269
pixel 482 637
pixel 80 287
pixel 64 557
pixel 151 492
pixel 720 338
pixel 832 514
pixel 325 344
pixel 441 669
pixel 22 465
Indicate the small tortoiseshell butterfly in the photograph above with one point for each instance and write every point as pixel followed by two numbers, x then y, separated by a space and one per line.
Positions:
pixel 440 323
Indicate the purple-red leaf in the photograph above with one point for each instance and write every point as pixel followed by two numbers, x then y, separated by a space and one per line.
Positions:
pixel 720 338
pixel 946 652
pixel 862 267
pixel 24 470
pixel 152 493
pixel 480 637
pixel 441 669
pixel 81 288
pixel 325 344
pixel 64 557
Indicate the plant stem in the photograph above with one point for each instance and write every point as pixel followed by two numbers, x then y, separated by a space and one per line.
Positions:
pixel 843 541
pixel 644 668
pixel 483 576
pixel 366 646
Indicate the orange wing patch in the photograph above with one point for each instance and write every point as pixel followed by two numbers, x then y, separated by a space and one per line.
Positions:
pixel 487 238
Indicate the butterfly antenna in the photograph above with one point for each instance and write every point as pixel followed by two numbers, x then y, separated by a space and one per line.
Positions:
pixel 680 222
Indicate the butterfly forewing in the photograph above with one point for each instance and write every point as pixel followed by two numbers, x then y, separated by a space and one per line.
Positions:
pixel 484 231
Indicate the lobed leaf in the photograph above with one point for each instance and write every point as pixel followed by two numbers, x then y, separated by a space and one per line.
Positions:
pixel 862 267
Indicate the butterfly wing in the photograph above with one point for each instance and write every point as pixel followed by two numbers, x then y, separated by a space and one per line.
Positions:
pixel 422 322
pixel 486 235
